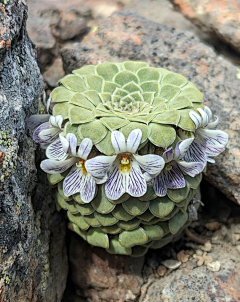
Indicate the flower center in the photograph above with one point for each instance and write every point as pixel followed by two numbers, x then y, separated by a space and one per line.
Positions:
pixel 168 166
pixel 81 165
pixel 125 162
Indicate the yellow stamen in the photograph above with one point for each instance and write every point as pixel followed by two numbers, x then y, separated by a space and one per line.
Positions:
pixel 125 162
pixel 81 165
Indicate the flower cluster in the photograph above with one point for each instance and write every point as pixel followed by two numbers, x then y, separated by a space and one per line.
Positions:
pixel 126 171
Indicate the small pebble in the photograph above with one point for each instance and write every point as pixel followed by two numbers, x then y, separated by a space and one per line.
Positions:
pixel 237 229
pixel 236 237
pixel 172 264
pixel 161 270
pixel 213 226
pixel 238 248
pixel 214 266
pixel 199 252
pixel 207 246
pixel 181 256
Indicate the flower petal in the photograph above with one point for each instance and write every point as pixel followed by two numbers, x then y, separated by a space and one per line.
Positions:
pixel 182 147
pixel 210 160
pixel 136 183
pixel 212 150
pixel 195 153
pixel 134 140
pixel 72 144
pixel 52 166
pixel 85 148
pixel 98 166
pixel 116 184
pixel 48 135
pixel 39 129
pixel 151 163
pixel 36 120
pixel 216 138
pixel 191 169
pixel 205 118
pixel 195 118
pixel 56 121
pixel 159 185
pixel 74 181
pixel 174 178
pixel 213 125
pixel 55 150
pixel 118 142
pixel 88 190
pixel 168 155
pixel 208 111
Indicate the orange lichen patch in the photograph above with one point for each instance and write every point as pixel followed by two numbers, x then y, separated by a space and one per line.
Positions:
pixel 2 155
pixel 230 288
pixel 185 8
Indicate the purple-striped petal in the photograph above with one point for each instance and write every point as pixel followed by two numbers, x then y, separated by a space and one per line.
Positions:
pixel 191 169
pixel 99 166
pixel 74 181
pixel 195 118
pixel 116 184
pixel 195 153
pixel 168 155
pixel 134 140
pixel 49 135
pixel 64 142
pixel 52 166
pixel 72 144
pixel 88 190
pixel 55 151
pixel 85 148
pixel 216 138
pixel 182 147
pixel 212 150
pixel 151 163
pixel 208 111
pixel 205 118
pixel 39 129
pixel 118 142
pixel 159 185
pixel 174 178
pixel 136 183
pixel 36 120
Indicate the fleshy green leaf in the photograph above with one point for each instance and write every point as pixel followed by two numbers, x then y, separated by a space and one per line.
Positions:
pixel 126 130
pixel 61 94
pixel 79 100
pixel 149 195
pixel 168 92
pixel 61 201
pixel 161 135
pixel 94 130
pixel 151 86
pixel 139 251
pixel 161 207
pixel 88 69
pixel 85 209
pixel 79 115
pixel 69 128
pixel 112 229
pixel 154 232
pixel 134 66
pixel 151 222
pixel 177 222
pixel 134 237
pixel 148 74
pixel 97 237
pixel 93 97
pixel 194 182
pixel 185 121
pixel 116 248
pixel 179 103
pixel 164 226
pixel 134 206
pixel 73 227
pixel 146 119
pixel 137 96
pixel 109 87
pixel 62 109
pixel 167 117
pixel 71 206
pixel 113 123
pixel 90 219
pixel 120 92
pixel 107 70
pixel 174 79
pixel 121 214
pixel 105 145
pixel 106 219
pixel 78 220
pixel 147 216
pixel 129 225
pixel 192 93
pixel 101 204
pixel 125 77
pixel 94 82
pixel 132 87
pixel 105 97
pixel 178 195
pixel 54 178
pixel 148 97
pixel 74 83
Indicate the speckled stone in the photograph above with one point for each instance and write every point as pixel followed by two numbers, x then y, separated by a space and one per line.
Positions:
pixel 127 36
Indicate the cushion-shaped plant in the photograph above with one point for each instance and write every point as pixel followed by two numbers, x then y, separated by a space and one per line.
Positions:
pixel 126 145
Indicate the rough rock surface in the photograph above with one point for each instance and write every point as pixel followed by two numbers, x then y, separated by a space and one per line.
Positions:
pixel 33 263
pixel 127 36
pixel 219 17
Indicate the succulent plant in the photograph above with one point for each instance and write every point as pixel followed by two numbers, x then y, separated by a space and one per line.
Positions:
pixel 126 145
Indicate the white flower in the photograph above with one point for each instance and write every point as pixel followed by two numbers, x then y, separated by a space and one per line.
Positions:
pixel 65 155
pixel 171 177
pixel 125 167
pixel 208 142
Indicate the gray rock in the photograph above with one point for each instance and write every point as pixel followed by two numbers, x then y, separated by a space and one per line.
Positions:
pixel 33 262
pixel 126 36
